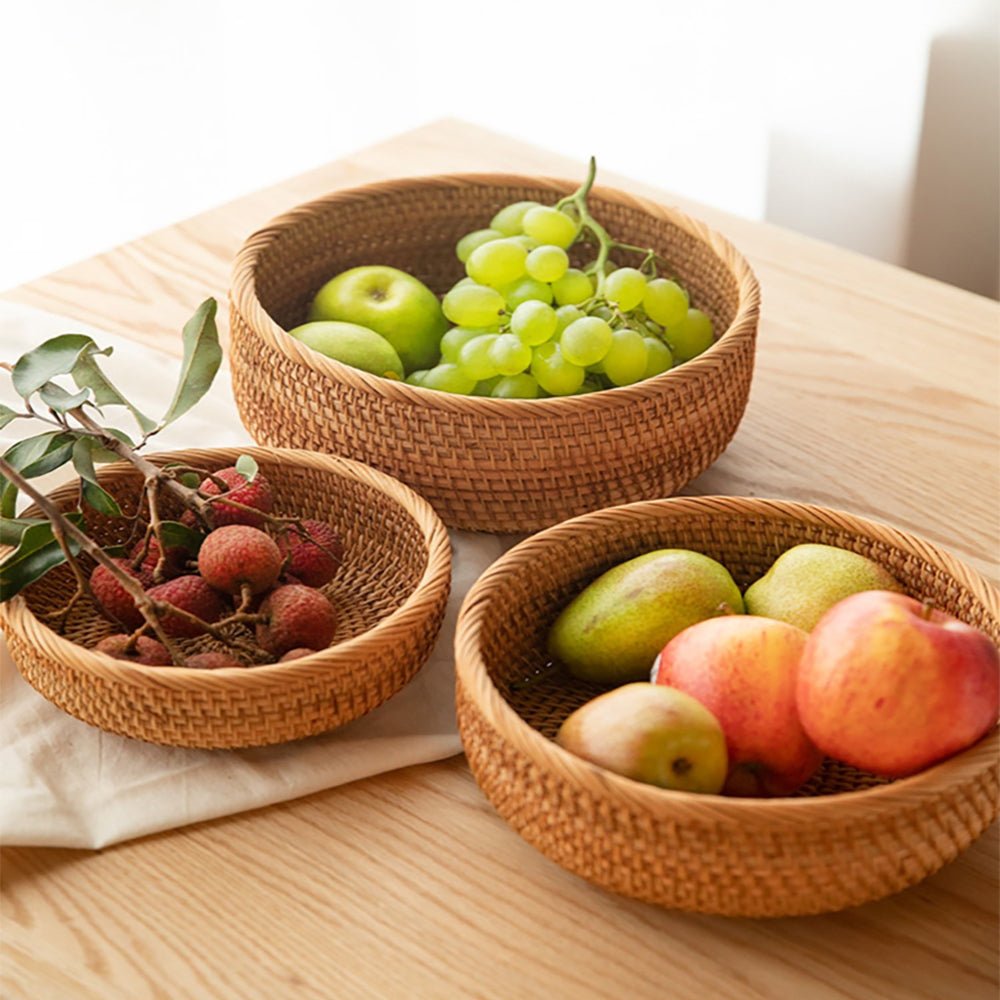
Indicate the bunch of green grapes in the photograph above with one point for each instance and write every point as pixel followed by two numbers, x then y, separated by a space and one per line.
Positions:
pixel 527 324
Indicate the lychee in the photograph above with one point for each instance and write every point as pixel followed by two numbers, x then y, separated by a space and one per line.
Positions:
pixel 175 562
pixel 113 599
pixel 314 557
pixel 297 617
pixel 296 654
pixel 238 554
pixel 192 594
pixel 146 651
pixel 212 660
pixel 256 494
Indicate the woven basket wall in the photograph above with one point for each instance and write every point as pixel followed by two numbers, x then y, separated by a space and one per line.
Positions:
pixel 391 592
pixel 485 464
pixel 848 838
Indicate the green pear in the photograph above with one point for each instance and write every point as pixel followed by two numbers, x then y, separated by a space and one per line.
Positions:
pixel 806 581
pixel 612 631
pixel 650 733
pixel 354 345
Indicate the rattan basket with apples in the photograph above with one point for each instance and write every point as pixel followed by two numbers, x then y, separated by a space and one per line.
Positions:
pixel 733 705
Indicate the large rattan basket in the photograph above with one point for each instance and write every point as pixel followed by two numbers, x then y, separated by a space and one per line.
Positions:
pixel 485 464
pixel 849 838
pixel 391 592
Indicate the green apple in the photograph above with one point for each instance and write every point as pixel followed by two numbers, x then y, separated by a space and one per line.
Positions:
pixel 390 302
pixel 354 345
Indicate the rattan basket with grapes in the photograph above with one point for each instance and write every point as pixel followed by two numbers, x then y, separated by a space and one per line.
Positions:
pixel 485 464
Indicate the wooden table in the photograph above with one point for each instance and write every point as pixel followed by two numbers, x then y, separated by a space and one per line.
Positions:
pixel 876 391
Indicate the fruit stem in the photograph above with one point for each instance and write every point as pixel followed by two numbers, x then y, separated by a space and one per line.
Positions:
pixel 927 609
pixel 60 523
pixel 605 242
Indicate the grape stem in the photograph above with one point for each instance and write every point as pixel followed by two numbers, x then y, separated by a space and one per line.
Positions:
pixel 605 242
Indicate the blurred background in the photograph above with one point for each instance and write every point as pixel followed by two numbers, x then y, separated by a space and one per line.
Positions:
pixel 872 124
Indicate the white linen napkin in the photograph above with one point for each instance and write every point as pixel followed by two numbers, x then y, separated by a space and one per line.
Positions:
pixel 64 783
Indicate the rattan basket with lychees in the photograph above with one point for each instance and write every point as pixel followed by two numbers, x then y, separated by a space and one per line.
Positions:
pixel 485 464
pixel 390 592
pixel 847 838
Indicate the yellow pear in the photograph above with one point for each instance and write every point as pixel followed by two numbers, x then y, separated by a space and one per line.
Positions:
pixel 806 581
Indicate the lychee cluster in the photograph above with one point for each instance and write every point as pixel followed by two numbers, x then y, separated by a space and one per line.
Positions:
pixel 252 569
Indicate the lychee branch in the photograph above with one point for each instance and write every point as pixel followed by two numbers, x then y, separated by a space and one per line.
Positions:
pixel 61 523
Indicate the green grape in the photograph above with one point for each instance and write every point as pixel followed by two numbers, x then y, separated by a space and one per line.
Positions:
pixel 475 359
pixel 526 290
pixel 660 359
pixel 470 241
pixel 485 387
pixel 603 312
pixel 690 336
pixel 653 327
pixel 665 301
pixel 508 220
pixel 609 266
pixel 566 315
pixel 627 358
pixel 453 341
pixel 589 385
pixel 549 225
pixel 473 305
pixel 534 322
pixel 521 386
pixel 547 263
pixel 596 369
pixel 509 355
pixel 553 372
pixel 417 377
pixel 625 286
pixel 586 341
pixel 525 241
pixel 572 288
pixel 448 378
pixel 497 263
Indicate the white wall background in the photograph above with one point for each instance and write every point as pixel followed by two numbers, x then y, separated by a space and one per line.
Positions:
pixel 119 116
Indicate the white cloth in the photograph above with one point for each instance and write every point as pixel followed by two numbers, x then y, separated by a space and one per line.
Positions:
pixel 64 783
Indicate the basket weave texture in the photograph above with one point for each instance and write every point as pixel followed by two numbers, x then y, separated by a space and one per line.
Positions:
pixel 485 464
pixel 848 837
pixel 391 593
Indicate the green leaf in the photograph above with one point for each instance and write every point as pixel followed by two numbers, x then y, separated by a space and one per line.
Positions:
pixel 247 467
pixel 37 553
pixel 58 453
pixel 56 356
pixel 87 374
pixel 34 456
pixel 7 415
pixel 55 397
pixel 177 535
pixel 202 357
pixel 12 528
pixel 93 493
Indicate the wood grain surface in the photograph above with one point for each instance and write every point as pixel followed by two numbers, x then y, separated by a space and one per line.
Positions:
pixel 876 391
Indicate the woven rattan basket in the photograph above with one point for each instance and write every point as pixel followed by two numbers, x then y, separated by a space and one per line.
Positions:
pixel 391 592
pixel 848 839
pixel 485 464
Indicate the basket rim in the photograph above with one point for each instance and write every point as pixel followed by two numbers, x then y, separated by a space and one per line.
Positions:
pixel 474 681
pixel 422 600
pixel 243 298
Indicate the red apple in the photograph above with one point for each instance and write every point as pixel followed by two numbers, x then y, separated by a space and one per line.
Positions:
pixel 889 685
pixel 743 669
